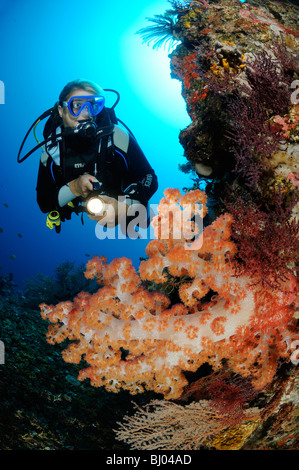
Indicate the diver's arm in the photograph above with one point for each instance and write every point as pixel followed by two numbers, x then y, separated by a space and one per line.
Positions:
pixel 65 195
pixel 140 182
pixel 143 189
pixel 79 187
pixel 82 186
pixel 144 182
pixel 52 194
pixel 46 190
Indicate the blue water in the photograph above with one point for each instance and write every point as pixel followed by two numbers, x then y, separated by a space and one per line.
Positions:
pixel 44 46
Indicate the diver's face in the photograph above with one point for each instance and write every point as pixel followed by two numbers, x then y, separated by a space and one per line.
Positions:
pixel 67 118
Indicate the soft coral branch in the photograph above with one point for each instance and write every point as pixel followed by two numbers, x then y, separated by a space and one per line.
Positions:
pixel 136 339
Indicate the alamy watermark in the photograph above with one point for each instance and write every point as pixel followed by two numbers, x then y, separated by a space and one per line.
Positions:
pixel 295 355
pixel 183 223
pixel 2 92
pixel 2 353
pixel 295 94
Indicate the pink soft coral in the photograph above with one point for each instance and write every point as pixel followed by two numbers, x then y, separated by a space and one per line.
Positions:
pixel 135 339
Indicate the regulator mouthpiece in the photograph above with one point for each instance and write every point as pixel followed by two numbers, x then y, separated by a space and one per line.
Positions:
pixel 86 129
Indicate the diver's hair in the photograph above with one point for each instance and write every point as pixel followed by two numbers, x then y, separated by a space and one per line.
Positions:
pixel 80 84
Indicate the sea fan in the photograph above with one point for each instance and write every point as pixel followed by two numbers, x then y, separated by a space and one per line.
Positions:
pixel 267 241
pixel 162 32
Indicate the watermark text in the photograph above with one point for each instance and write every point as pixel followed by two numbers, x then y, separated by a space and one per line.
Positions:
pixel 295 94
pixel 2 92
pixel 2 353
pixel 295 355
pixel 177 222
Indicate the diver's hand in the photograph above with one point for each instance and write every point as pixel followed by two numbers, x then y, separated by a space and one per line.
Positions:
pixel 113 213
pixel 82 186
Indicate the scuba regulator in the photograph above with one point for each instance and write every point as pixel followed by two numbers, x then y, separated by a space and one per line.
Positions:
pixel 86 129
pixel 54 121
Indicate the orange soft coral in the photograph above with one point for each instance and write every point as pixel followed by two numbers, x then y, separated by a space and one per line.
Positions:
pixel 135 339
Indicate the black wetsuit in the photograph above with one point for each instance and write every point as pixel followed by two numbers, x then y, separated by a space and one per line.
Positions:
pixel 121 167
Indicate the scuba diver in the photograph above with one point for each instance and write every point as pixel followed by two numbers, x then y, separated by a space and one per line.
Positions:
pixel 89 162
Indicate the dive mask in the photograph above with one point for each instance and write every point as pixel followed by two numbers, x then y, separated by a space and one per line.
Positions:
pixel 93 104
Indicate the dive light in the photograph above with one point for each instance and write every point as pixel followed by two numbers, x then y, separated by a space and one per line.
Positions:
pixel 95 204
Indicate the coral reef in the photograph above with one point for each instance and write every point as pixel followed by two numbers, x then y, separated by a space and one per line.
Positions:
pixel 124 315
pixel 237 64
pixel 67 280
pixel 220 316
pixel 209 321
pixel 43 406
pixel 166 425
pixel 274 255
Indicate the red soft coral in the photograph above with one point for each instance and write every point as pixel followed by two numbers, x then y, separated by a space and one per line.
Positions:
pixel 136 339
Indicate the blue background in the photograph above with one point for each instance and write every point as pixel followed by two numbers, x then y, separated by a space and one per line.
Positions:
pixel 44 46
